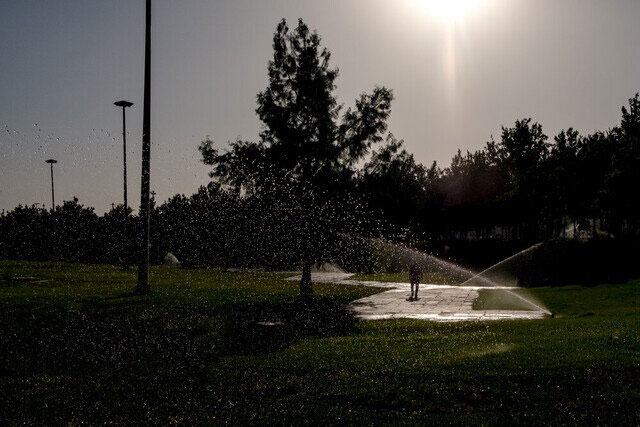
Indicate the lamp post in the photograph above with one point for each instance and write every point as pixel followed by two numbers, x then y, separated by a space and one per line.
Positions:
pixel 143 265
pixel 124 105
pixel 53 196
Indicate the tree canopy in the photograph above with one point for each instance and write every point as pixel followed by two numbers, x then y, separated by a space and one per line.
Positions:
pixel 304 135
pixel 307 146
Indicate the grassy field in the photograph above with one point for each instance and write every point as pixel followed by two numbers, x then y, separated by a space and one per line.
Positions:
pixel 75 346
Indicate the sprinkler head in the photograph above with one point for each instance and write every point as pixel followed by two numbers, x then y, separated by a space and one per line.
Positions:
pixel 553 315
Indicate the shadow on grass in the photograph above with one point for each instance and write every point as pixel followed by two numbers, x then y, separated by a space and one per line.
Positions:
pixel 134 333
pixel 273 326
pixel 119 296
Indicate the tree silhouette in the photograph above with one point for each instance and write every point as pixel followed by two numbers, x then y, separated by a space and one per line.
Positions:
pixel 259 214
pixel 304 142
pixel 395 185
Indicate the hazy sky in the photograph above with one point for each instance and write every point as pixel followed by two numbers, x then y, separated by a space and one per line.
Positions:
pixel 456 81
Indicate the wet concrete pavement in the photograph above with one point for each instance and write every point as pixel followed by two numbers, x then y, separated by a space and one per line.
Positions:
pixel 441 303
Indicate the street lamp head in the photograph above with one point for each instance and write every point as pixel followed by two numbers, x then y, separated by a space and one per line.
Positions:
pixel 123 104
pixel 51 161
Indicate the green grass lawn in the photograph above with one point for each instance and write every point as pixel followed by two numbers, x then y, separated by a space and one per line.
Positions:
pixel 501 299
pixel 75 346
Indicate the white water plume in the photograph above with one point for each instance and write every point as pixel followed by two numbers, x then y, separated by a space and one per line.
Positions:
pixel 488 278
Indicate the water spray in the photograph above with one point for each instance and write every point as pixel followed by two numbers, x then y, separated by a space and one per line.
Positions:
pixel 415 255
pixel 544 310
pixel 493 267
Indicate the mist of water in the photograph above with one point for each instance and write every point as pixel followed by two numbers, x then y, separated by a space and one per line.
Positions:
pixel 493 276
pixel 451 272
pixel 485 275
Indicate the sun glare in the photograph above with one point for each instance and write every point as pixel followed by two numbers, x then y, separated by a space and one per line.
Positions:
pixel 449 11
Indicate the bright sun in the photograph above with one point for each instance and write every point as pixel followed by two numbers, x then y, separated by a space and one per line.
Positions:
pixel 449 11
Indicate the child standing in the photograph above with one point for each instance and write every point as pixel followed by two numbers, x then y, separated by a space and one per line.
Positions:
pixel 415 276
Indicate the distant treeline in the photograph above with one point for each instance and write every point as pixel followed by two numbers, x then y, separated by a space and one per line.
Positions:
pixel 520 188
pixel 212 228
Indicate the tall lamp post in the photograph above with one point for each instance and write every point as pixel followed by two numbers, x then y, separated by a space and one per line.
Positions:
pixel 124 105
pixel 143 265
pixel 53 196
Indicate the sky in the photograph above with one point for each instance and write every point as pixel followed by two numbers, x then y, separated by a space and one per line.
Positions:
pixel 458 75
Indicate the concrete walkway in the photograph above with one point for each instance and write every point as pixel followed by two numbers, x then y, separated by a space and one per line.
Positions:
pixel 440 303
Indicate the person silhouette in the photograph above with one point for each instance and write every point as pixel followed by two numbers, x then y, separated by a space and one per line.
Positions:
pixel 415 276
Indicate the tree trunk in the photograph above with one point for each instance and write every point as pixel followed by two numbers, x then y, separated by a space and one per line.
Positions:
pixel 306 289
